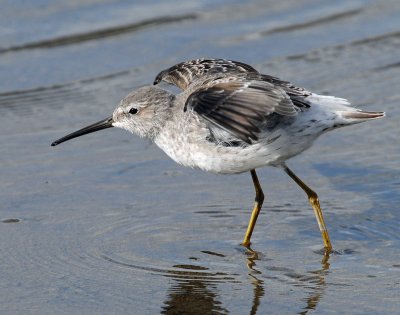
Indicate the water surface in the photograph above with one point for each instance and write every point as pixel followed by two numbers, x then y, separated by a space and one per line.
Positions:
pixel 107 224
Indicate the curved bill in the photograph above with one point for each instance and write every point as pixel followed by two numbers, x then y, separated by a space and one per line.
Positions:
pixel 103 124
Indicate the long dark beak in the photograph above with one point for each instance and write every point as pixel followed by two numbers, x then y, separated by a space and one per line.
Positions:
pixel 103 124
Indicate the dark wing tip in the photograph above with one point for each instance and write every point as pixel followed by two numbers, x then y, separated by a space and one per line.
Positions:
pixel 159 77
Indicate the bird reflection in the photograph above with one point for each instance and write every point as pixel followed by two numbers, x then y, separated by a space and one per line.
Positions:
pixel 320 285
pixel 195 290
pixel 193 293
pixel 317 278
pixel 258 284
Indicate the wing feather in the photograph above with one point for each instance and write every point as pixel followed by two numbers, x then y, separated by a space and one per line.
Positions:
pixel 240 107
pixel 185 73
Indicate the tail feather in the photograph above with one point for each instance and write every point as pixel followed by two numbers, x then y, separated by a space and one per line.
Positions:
pixel 359 115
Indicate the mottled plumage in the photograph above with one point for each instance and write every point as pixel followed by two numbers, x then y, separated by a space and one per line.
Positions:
pixel 229 119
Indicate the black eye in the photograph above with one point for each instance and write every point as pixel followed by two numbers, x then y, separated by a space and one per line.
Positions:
pixel 133 111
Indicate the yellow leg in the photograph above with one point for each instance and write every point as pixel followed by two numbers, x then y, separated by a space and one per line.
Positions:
pixel 256 210
pixel 313 199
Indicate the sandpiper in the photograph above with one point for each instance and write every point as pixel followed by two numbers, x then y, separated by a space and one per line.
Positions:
pixel 230 119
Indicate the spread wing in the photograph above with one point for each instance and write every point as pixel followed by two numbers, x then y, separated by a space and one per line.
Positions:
pixel 240 106
pixel 184 73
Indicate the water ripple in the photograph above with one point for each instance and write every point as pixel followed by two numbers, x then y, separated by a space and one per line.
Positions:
pixel 99 34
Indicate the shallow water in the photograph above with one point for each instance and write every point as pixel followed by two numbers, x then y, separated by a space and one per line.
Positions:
pixel 107 224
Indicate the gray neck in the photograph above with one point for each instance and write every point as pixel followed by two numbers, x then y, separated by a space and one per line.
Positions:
pixel 164 104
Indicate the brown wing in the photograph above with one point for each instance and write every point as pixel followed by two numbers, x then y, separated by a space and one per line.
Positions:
pixel 184 73
pixel 240 107
pixel 289 88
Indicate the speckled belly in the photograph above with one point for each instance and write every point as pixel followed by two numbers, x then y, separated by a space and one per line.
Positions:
pixel 224 160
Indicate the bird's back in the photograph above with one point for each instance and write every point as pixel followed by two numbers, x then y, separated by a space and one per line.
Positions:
pixel 229 118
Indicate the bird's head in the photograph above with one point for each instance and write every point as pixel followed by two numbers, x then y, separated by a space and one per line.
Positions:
pixel 142 112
